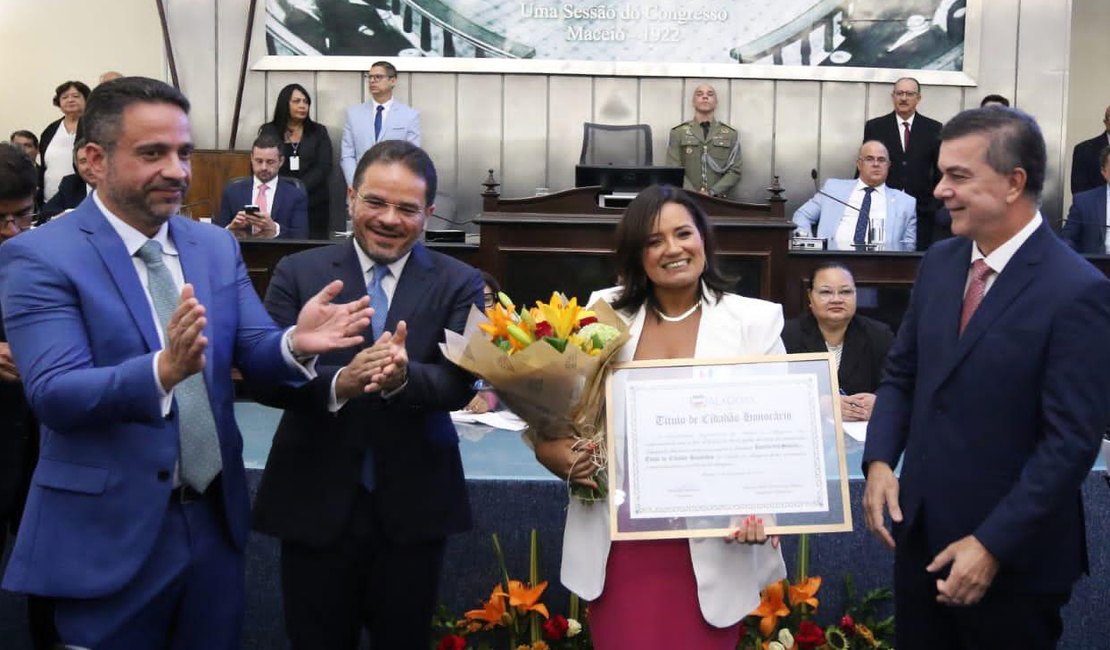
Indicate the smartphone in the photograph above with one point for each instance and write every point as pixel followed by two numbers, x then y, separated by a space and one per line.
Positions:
pixel 251 209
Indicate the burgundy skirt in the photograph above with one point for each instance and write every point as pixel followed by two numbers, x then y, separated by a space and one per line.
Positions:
pixel 650 601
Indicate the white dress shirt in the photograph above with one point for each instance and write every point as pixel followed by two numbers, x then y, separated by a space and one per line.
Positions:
pixel 901 129
pixel 385 115
pixel 846 231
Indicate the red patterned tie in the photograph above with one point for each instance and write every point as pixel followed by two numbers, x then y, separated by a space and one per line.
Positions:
pixel 905 136
pixel 976 289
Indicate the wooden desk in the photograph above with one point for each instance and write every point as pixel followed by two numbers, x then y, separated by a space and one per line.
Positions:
pixel 212 169
pixel 564 241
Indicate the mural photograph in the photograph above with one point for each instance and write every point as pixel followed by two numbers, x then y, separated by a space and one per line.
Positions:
pixel 911 34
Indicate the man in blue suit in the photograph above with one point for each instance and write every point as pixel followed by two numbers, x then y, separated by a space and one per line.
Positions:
pixel 282 205
pixel 125 320
pixel 381 118
pixel 363 511
pixel 836 210
pixel 1086 227
pixel 995 398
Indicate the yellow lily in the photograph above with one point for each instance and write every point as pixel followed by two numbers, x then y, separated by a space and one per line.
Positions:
pixel 560 314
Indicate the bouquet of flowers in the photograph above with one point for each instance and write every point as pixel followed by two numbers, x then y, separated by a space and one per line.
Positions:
pixel 547 365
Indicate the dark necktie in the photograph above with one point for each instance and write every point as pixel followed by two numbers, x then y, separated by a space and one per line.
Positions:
pixel 378 123
pixel 976 289
pixel 200 443
pixel 380 302
pixel 864 218
pixel 705 130
pixel 905 136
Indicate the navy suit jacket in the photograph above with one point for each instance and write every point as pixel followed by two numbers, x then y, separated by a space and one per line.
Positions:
pixel 1086 173
pixel 83 335
pixel 289 207
pixel 313 471
pixel 1085 228
pixel 1000 426
pixel 71 191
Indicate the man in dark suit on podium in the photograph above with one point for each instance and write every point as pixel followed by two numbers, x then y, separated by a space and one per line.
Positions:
pixel 364 480
pixel 995 398
pixel 1086 227
pixel 282 206
pixel 913 141
pixel 1085 168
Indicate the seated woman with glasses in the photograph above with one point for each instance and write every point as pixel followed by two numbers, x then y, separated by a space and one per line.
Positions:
pixel 485 400
pixel 858 343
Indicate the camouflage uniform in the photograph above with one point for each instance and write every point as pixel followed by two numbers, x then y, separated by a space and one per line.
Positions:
pixel 711 163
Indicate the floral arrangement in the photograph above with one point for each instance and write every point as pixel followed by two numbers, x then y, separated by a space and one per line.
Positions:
pixel 784 619
pixel 546 364
pixel 514 612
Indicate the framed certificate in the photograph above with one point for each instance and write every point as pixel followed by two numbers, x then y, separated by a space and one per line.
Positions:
pixel 695 446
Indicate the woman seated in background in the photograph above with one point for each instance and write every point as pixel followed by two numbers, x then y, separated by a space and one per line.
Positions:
pixel 485 400
pixel 307 151
pixel 858 343
pixel 667 594
pixel 57 139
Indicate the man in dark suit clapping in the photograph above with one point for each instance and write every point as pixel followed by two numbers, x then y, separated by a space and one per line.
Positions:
pixel 364 481
pixel 913 141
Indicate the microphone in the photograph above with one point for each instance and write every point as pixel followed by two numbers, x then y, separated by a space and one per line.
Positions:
pixel 816 188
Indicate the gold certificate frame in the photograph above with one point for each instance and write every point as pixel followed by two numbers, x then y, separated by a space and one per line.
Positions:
pixel 695 446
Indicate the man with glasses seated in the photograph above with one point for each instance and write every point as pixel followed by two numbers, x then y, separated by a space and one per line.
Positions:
pixel 913 142
pixel 381 118
pixel 864 211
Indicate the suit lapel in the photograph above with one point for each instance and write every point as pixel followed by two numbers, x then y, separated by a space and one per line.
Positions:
pixel 1098 238
pixel 348 269
pixel 410 287
pixel 194 267
pixel 110 247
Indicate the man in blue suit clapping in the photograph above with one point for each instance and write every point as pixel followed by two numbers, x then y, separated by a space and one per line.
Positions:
pixel 125 320
pixel 843 209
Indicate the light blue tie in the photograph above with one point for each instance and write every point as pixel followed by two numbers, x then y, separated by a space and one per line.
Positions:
pixel 380 302
pixel 200 444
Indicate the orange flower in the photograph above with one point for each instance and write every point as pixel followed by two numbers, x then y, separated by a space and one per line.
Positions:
pixel 771 607
pixel 806 592
pixel 526 599
pixel 493 612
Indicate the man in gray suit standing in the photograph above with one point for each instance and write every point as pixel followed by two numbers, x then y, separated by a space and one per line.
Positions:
pixel 381 118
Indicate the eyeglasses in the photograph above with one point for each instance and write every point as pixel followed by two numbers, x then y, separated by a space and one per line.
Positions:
pixel 490 299
pixel 378 77
pixel 904 93
pixel 825 295
pixel 871 160
pixel 376 205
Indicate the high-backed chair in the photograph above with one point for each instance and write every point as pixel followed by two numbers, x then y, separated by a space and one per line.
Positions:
pixel 616 144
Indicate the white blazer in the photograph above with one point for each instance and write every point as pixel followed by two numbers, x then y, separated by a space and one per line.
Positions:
pixel 729 576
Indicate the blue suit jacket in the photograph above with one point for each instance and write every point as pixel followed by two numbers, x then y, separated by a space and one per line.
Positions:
pixel 999 427
pixel 289 208
pixel 401 123
pixel 1085 228
pixel 83 335
pixel 825 213
pixel 420 492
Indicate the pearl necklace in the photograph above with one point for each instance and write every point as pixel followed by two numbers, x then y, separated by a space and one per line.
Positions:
pixel 681 317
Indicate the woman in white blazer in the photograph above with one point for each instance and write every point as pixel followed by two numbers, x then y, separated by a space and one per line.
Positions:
pixel 669 593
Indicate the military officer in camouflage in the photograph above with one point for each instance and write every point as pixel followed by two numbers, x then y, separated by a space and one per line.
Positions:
pixel 708 149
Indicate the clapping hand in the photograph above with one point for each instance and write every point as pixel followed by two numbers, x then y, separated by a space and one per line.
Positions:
pixel 8 371
pixel 183 354
pixel 323 326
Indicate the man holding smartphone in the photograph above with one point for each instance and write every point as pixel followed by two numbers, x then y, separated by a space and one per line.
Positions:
pixel 264 205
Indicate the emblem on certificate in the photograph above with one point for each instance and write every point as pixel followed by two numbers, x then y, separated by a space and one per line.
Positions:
pixel 695 446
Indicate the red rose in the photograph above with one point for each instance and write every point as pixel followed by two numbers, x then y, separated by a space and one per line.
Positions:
pixel 555 628
pixel 451 642
pixel 543 328
pixel 582 322
pixel 809 636
pixel 847 624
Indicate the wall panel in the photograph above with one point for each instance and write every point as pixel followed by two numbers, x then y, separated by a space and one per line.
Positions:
pixel 796 135
pixel 570 103
pixel 480 110
pixel 752 113
pixel 662 105
pixel 841 132
pixel 524 150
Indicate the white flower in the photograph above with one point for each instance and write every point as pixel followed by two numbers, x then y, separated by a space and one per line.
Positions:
pixel 775 645
pixel 573 628
pixel 786 638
